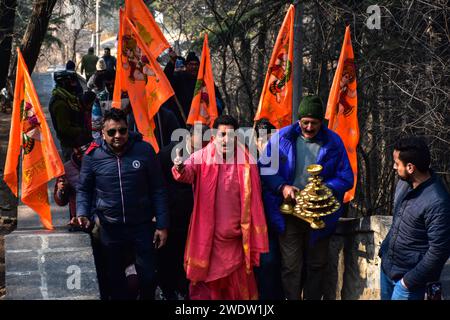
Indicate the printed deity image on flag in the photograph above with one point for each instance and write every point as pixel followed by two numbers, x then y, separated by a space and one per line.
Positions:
pixel 30 127
pixel 135 62
pixel 280 74
pixel 346 103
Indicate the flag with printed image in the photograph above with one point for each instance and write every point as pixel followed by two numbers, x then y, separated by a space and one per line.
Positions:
pixel 139 74
pixel 203 106
pixel 342 107
pixel 31 141
pixel 275 103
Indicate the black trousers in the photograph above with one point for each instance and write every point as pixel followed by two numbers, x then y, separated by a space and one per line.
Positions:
pixel 303 266
pixel 171 274
pixel 117 242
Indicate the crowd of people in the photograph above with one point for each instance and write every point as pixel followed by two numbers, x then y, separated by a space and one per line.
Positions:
pixel 199 223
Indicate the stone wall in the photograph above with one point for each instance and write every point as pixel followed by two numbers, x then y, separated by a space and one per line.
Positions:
pixel 354 263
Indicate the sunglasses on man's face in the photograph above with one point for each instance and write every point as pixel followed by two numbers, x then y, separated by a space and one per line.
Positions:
pixel 112 132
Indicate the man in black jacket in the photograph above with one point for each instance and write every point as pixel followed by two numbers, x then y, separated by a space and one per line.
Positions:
pixel 418 243
pixel 125 176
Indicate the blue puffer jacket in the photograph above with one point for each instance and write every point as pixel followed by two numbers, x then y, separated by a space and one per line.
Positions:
pixel 418 243
pixel 129 189
pixel 337 174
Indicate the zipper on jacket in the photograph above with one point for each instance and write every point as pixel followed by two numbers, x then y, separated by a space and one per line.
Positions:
pixel 121 191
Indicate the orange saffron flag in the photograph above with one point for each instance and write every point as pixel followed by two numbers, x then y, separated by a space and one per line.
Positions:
pixel 30 134
pixel 203 106
pixel 342 106
pixel 275 103
pixel 145 24
pixel 142 77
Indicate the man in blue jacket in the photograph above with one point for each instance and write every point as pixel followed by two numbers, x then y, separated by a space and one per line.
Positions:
pixel 418 243
pixel 121 172
pixel 299 145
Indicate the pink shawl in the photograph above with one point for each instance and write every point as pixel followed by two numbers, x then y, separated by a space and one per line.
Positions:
pixel 202 170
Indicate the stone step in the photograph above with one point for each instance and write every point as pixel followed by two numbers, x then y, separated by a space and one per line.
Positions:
pixel 44 265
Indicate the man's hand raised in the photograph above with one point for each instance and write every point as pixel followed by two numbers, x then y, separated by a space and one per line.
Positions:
pixel 178 161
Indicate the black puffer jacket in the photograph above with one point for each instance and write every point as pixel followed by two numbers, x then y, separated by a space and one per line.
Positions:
pixel 129 189
pixel 418 243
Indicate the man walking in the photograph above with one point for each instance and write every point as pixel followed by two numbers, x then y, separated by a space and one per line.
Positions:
pixel 88 63
pixel 300 145
pixel 110 61
pixel 418 243
pixel 228 231
pixel 125 176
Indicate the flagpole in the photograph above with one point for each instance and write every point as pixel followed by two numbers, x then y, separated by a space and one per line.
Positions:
pixel 160 130
pixel 298 59
pixel 180 108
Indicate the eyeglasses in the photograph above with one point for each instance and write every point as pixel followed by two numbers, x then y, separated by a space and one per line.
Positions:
pixel 112 132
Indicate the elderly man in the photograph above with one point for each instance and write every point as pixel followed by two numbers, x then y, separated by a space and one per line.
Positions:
pixel 124 174
pixel 228 231
pixel 306 142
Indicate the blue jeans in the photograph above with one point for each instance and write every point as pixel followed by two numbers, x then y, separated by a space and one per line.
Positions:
pixel 394 290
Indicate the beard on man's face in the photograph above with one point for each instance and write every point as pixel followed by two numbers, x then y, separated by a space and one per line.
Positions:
pixel 405 176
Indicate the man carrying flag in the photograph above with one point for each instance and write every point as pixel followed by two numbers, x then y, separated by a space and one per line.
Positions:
pixel 275 103
pixel 30 134
pixel 342 107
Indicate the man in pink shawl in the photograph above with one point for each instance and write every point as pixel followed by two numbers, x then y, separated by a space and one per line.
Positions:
pixel 227 231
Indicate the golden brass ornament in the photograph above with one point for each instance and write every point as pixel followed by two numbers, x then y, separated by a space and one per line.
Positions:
pixel 314 202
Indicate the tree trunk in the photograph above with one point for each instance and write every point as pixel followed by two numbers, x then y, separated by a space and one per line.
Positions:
pixel 35 33
pixel 246 75
pixel 7 16
pixel 261 56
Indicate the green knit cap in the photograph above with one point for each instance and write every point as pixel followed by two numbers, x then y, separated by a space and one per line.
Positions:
pixel 311 106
